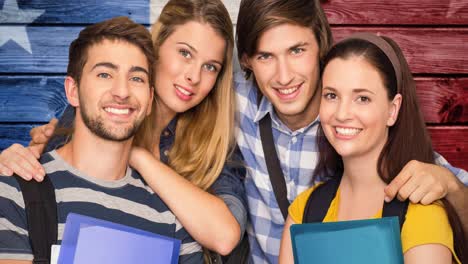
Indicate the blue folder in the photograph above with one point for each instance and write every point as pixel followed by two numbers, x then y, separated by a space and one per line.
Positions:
pixel 361 241
pixel 88 240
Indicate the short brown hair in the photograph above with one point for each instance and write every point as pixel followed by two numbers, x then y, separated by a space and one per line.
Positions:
pixel 257 16
pixel 118 28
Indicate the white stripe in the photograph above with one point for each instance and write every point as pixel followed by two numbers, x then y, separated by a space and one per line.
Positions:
pixel 12 194
pixel 60 229
pixel 189 248
pixel 139 183
pixel 112 202
pixel 4 256
pixel 178 225
pixel 9 226
pixel 53 165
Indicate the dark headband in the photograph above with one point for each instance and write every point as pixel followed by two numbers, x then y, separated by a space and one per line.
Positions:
pixel 384 46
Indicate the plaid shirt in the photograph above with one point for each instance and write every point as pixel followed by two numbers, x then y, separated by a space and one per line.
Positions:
pixel 297 152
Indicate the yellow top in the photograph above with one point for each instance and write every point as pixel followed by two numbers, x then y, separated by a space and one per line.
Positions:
pixel 424 224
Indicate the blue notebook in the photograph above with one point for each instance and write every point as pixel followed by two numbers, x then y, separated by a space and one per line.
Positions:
pixel 360 241
pixel 88 240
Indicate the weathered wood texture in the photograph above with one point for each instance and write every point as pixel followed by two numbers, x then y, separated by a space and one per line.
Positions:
pixel 25 99
pixel 83 11
pixel 14 133
pixel 452 143
pixel 444 100
pixel 49 47
pixel 427 50
pixel 339 12
pixel 390 12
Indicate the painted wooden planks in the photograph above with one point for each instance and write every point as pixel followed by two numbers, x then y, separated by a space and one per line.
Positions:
pixel 29 99
pixel 443 100
pixel 451 142
pixel 14 133
pixel 49 47
pixel 342 12
pixel 82 12
pixel 390 12
pixel 427 50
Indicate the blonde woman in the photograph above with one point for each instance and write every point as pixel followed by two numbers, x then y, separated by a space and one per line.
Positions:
pixel 182 149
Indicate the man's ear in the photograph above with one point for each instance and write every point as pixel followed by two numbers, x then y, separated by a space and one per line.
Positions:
pixel 245 62
pixel 71 91
pixel 395 106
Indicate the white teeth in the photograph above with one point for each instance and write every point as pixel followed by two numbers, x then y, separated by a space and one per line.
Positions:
pixel 288 91
pixel 117 111
pixel 347 131
pixel 182 90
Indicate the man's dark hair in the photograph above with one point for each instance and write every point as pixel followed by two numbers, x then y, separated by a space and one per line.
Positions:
pixel 118 28
pixel 257 16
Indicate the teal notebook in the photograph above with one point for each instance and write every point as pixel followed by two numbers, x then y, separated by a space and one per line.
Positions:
pixel 361 241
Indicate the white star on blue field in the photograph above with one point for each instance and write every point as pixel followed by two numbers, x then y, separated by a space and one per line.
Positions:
pixel 10 13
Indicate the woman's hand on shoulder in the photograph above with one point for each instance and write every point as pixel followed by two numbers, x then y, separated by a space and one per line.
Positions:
pixel 22 161
pixel 40 135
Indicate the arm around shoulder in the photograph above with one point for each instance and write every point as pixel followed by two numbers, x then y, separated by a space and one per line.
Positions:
pixel 205 216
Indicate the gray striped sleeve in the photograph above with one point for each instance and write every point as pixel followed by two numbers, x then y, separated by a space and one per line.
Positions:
pixel 14 239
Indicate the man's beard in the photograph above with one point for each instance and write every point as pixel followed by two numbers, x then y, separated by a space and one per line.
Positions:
pixel 97 127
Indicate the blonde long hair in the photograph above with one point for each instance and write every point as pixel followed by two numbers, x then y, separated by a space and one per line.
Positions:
pixel 205 133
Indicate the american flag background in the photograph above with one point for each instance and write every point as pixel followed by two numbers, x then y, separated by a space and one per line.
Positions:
pixel 34 40
pixel 35 35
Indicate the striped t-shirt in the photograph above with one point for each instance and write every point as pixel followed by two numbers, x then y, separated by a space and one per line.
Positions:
pixel 128 201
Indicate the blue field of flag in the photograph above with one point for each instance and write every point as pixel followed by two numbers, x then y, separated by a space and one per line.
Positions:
pixel 34 40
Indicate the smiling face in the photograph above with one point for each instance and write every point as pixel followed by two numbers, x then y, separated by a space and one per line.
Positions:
pixel 188 65
pixel 114 93
pixel 355 111
pixel 286 68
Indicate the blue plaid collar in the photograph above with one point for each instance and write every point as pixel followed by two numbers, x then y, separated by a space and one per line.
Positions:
pixel 266 107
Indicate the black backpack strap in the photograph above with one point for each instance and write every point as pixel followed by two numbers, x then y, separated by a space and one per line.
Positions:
pixel 273 165
pixel 272 162
pixel 396 208
pixel 319 201
pixel 41 212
